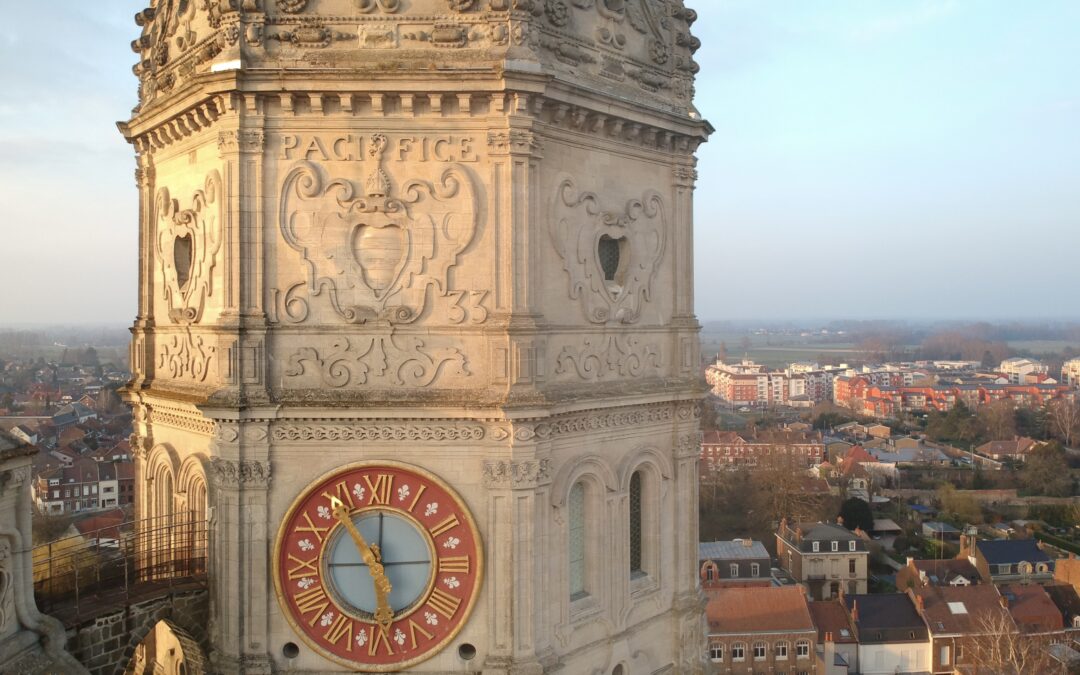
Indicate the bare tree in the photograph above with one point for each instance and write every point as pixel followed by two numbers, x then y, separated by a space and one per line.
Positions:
pixel 1000 648
pixel 1064 419
pixel 997 420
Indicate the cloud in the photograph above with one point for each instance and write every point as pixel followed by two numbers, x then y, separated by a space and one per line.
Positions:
pixel 900 22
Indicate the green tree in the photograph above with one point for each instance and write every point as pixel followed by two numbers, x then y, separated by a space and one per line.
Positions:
pixel 1046 471
pixel 857 513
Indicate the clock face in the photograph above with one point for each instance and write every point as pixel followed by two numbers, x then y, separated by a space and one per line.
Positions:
pixel 378 565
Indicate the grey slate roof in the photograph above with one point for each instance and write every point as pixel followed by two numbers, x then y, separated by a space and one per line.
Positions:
pixel 1011 551
pixel 731 550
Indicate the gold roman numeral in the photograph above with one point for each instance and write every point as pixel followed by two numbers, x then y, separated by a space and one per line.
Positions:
pixel 445 526
pixel 312 527
pixel 416 499
pixel 380 489
pixel 343 494
pixel 444 603
pixel 378 636
pixel 312 600
pixel 341 628
pixel 454 563
pixel 413 628
pixel 304 568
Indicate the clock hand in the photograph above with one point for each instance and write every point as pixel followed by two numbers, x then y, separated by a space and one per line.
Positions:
pixel 384 615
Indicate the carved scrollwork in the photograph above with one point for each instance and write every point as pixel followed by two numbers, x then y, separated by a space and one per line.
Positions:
pixel 188 241
pixel 291 6
pixel 640 232
pixel 387 359
pixel 517 474
pixel 186 356
pixel 369 6
pixel 378 432
pixel 609 356
pixel 377 255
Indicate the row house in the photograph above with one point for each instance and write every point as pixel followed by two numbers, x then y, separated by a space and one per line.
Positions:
pixel 962 622
pixel 1005 561
pixel 84 485
pixel 892 637
pixel 885 401
pixel 728 450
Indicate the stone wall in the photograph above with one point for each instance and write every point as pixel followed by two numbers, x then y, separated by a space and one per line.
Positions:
pixel 106 644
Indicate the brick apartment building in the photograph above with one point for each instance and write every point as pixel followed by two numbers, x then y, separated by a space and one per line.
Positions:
pixel 728 450
pixel 760 630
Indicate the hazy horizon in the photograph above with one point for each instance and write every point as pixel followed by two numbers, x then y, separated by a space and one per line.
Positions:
pixel 871 159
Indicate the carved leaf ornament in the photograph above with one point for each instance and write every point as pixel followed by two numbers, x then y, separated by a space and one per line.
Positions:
pixel 375 254
pixel 188 241
pixel 583 233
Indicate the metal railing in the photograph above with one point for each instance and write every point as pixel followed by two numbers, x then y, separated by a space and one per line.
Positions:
pixel 84 575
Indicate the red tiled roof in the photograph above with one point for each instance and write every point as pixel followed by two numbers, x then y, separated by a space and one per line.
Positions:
pixel 1032 608
pixel 969 610
pixel 747 610
pixel 830 616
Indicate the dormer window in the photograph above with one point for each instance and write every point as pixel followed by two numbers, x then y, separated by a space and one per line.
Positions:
pixel 851 546
pixel 835 546
pixel 817 546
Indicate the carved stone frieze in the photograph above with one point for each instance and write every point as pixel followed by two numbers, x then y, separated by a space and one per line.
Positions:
pixel 360 431
pixel 689 445
pixel 516 474
pixel 376 360
pixel 378 253
pixel 608 357
pixel 245 140
pixel 188 239
pixel 610 291
pixel 178 419
pixel 232 474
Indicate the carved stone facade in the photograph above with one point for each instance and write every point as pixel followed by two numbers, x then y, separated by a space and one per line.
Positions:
pixel 452 233
pixel 30 642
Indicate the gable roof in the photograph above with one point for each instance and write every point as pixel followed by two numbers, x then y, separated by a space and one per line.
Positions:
pixel 831 617
pixel 885 617
pixel 960 609
pixel 1032 608
pixel 763 609
pixel 1066 599
pixel 944 571
pixel 1011 551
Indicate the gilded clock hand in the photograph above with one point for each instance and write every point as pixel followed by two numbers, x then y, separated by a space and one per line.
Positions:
pixel 384 615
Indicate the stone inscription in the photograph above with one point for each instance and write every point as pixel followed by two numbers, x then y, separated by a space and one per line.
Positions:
pixel 354 147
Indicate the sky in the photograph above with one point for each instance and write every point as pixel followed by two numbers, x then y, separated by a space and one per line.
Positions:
pixel 872 159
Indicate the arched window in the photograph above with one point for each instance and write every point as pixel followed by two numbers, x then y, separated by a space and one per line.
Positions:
pixel 738 651
pixel 759 651
pixel 781 651
pixel 636 567
pixel 802 649
pixel 576 543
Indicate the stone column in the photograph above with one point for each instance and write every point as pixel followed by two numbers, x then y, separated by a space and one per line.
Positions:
pixel 30 642
pixel 239 551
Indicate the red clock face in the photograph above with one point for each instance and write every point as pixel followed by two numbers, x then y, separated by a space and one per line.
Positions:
pixel 378 565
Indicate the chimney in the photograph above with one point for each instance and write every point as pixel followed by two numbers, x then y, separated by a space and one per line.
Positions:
pixel 911 562
pixel 855 611
pixel 748 543
pixel 1004 601
pixel 920 604
pixel 840 520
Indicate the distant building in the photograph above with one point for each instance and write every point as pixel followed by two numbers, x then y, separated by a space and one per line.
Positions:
pixel 727 450
pixel 759 630
pixel 1014 450
pixel 742 562
pixel 1070 372
pixel 827 558
pixel 750 384
pixel 1017 369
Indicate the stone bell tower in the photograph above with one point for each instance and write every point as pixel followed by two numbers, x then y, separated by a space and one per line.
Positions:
pixel 448 237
